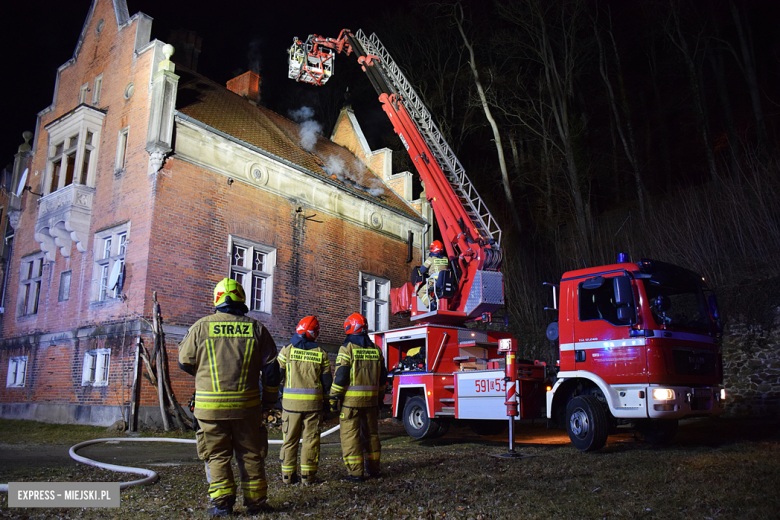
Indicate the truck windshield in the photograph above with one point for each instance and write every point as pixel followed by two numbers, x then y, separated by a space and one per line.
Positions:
pixel 678 301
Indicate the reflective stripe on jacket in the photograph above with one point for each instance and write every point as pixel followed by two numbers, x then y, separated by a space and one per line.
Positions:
pixel 304 370
pixel 359 374
pixel 228 353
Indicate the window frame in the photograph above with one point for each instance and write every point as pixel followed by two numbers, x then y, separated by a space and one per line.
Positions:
pixel 109 246
pixel 248 275
pixel 16 360
pixel 96 90
pixel 121 149
pixel 63 274
pixel 83 91
pixel 29 265
pixel 69 136
pixel 368 303
pixel 95 367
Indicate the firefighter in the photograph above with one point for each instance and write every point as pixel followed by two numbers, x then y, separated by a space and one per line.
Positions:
pixel 306 374
pixel 227 352
pixel 437 262
pixel 357 391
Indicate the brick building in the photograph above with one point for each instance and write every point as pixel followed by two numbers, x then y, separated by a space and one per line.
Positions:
pixel 146 177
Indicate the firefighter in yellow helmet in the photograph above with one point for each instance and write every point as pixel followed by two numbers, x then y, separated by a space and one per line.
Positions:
pixel 306 381
pixel 360 385
pixel 227 352
pixel 437 261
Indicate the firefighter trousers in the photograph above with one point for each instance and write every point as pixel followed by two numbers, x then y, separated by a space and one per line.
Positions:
pixel 297 426
pixel 360 440
pixel 217 440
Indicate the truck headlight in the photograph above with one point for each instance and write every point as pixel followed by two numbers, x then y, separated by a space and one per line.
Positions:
pixel 663 394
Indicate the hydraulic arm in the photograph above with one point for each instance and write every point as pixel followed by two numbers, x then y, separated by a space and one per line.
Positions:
pixel 470 233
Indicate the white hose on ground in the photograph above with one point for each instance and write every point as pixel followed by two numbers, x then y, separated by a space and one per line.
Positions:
pixel 150 476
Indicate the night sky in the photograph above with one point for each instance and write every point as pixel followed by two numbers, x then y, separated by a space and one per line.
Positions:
pixel 237 35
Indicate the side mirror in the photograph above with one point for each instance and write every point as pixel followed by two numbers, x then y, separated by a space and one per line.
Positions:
pixel 552 331
pixel 624 299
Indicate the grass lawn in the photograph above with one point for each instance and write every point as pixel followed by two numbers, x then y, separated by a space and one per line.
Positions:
pixel 452 477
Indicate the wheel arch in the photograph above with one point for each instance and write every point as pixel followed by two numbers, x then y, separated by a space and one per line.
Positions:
pixel 570 385
pixel 406 392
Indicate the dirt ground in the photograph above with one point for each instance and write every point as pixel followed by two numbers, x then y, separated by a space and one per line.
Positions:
pixel 693 432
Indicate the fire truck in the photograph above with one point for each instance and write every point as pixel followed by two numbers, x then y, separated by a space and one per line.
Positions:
pixel 638 342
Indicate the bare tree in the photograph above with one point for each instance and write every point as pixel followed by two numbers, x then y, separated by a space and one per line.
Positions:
pixel 692 57
pixel 749 70
pixel 620 110
pixel 459 18
pixel 549 37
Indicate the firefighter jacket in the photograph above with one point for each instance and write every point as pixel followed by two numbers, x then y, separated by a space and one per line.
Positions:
pixel 227 353
pixel 360 374
pixel 306 373
pixel 434 265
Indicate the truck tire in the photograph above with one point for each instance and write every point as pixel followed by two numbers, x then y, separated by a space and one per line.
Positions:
pixel 586 422
pixel 416 421
pixel 488 427
pixel 657 431
pixel 443 427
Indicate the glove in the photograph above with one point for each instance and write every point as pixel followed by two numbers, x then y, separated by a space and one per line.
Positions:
pixel 335 405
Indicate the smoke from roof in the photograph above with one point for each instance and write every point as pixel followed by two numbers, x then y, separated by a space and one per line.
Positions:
pixel 355 174
pixel 309 127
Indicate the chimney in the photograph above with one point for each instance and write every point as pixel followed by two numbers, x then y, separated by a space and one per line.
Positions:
pixel 246 85
pixel 187 44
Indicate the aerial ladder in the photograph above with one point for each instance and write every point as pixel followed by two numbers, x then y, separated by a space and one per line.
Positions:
pixel 471 236
pixel 616 330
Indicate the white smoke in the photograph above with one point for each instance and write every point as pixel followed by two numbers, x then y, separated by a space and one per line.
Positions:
pixel 309 127
pixel 357 176
pixel 301 115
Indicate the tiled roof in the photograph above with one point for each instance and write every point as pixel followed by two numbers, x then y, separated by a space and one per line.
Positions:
pixel 203 100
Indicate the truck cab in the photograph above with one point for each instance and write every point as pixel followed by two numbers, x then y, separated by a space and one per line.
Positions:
pixel 640 341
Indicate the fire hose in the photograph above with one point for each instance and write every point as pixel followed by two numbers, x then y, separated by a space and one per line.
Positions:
pixel 149 475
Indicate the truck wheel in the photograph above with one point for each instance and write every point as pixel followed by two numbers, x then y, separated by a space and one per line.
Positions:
pixel 442 428
pixel 658 431
pixel 586 423
pixel 416 421
pixel 488 427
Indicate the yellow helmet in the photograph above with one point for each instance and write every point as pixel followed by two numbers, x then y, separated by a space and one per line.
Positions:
pixel 228 287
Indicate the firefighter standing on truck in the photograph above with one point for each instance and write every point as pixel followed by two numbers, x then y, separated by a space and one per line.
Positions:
pixel 227 352
pixel 437 261
pixel 360 385
pixel 306 374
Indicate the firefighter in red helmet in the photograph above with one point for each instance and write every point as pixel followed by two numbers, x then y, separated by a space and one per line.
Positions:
pixel 307 379
pixel 437 262
pixel 360 386
pixel 227 352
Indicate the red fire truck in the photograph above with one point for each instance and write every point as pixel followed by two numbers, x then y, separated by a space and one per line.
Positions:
pixel 638 341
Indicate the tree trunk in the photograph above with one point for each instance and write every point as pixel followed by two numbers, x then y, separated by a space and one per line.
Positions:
pixel 749 69
pixel 493 125
pixel 629 145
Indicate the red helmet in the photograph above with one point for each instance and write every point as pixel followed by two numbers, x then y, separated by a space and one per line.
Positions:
pixel 309 327
pixel 355 323
pixel 436 246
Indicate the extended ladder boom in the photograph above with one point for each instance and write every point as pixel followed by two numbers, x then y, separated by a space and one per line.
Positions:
pixel 471 234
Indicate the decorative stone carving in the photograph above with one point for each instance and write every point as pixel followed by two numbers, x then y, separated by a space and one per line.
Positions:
pixel 156 161
pixel 63 218
pixel 375 220
pixel 14 217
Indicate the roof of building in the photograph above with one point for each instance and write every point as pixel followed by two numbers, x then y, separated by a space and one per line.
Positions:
pixel 203 100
